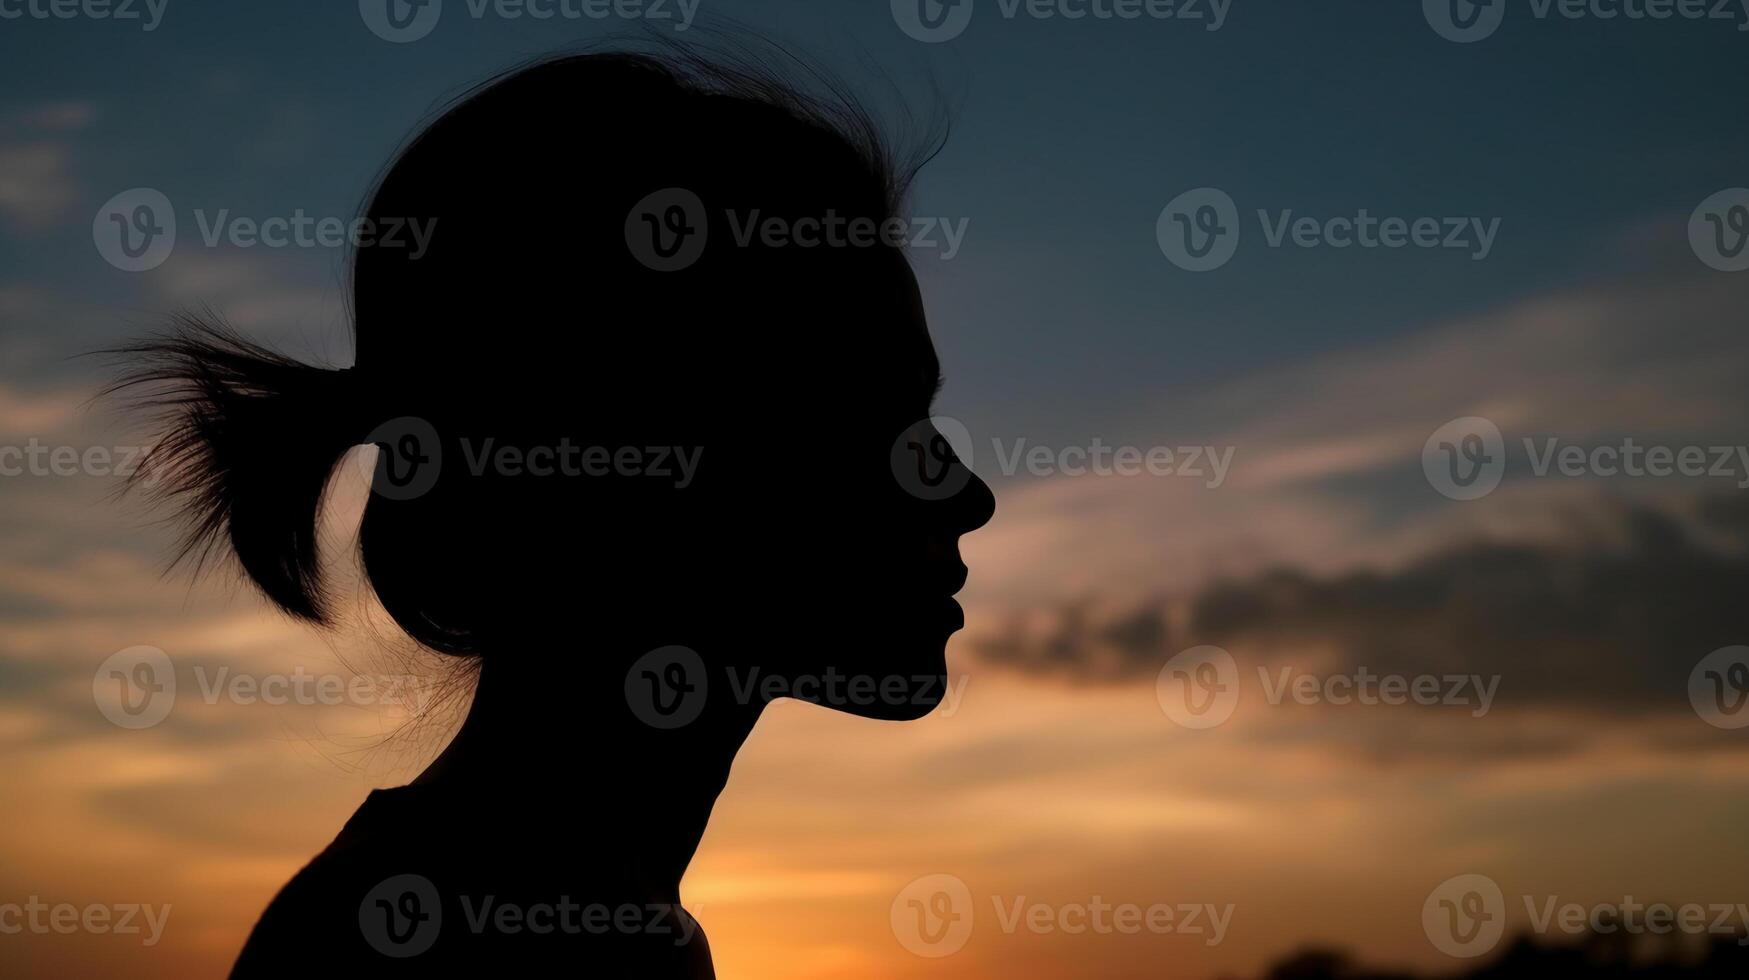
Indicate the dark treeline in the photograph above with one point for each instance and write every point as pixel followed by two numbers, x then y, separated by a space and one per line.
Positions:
pixel 1606 957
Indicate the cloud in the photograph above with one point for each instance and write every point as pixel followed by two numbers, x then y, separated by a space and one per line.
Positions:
pixel 65 116
pixel 265 295
pixel 1649 358
pixel 36 182
pixel 1327 547
pixel 36 161
pixel 1616 621
pixel 25 414
pixel 1326 466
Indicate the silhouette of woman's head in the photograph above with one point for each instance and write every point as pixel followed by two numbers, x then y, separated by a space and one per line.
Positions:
pixel 651 372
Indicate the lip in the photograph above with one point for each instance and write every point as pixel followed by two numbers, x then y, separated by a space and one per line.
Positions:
pixel 956 580
pixel 954 613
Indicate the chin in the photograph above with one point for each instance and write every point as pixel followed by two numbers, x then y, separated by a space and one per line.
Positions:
pixel 882 711
pixel 901 676
pixel 908 712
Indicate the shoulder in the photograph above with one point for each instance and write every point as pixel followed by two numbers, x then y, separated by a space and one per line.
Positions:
pixel 314 920
pixel 397 893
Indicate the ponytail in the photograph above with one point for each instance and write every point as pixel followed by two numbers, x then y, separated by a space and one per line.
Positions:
pixel 247 440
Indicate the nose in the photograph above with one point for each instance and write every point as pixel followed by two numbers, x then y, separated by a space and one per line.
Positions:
pixel 973 506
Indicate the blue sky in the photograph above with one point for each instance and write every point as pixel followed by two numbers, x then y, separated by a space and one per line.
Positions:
pixel 1580 136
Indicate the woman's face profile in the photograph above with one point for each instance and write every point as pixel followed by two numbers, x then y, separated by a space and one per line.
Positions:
pixel 780 505
pixel 855 555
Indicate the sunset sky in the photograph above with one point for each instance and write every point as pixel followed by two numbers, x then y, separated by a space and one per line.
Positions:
pixel 1060 778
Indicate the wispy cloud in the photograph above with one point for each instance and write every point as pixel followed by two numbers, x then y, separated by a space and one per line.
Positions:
pixel 37 185
pixel 1614 620
pixel 36 182
pixel 64 116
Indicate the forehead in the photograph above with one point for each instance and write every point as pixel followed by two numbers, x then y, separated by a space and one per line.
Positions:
pixel 890 349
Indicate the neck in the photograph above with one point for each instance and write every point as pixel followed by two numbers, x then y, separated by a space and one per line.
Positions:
pixel 572 765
